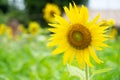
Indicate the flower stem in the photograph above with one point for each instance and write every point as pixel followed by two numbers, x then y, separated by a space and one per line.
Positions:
pixel 86 72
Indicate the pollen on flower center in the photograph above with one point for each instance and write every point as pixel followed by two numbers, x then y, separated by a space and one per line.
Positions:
pixel 79 36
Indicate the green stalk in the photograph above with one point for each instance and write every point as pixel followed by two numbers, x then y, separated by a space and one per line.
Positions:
pixel 86 72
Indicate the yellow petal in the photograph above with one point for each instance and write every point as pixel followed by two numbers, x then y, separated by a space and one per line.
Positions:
pixel 68 14
pixel 59 50
pixel 94 56
pixel 86 57
pixel 84 14
pixel 66 57
pixel 95 20
pixel 50 44
pixel 76 14
pixel 52 30
pixel 98 48
pixel 54 25
pixel 100 44
pixel 80 59
pixel 71 57
pixel 61 20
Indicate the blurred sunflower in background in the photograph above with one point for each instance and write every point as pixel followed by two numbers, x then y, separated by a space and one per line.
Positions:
pixel 22 29
pixel 113 31
pixel 9 33
pixel 49 11
pixel 34 28
pixel 109 22
pixel 3 28
pixel 78 37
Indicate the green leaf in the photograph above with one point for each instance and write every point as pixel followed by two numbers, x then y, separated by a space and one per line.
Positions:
pixel 100 71
pixel 74 71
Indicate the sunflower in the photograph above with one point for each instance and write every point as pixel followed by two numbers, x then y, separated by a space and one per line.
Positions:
pixel 78 38
pixel 2 29
pixel 113 31
pixel 109 22
pixel 34 28
pixel 49 11
pixel 9 33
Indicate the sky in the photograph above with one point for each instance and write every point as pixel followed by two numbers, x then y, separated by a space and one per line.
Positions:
pixel 104 4
pixel 18 3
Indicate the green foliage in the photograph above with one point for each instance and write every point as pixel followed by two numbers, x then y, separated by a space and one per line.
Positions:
pixel 20 16
pixel 30 59
pixel 3 2
pixel 3 6
pixel 3 17
pixel 110 56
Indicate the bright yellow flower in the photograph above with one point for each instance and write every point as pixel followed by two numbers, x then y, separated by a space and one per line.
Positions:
pixel 49 11
pixel 9 33
pixel 22 29
pixel 34 28
pixel 2 29
pixel 78 37
pixel 109 22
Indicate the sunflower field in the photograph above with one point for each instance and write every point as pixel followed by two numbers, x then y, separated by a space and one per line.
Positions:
pixel 57 40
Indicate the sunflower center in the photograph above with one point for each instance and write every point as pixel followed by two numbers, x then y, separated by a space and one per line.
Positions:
pixel 34 29
pixel 52 13
pixel 79 36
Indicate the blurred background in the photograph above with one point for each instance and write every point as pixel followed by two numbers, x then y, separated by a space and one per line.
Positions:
pixel 24 36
